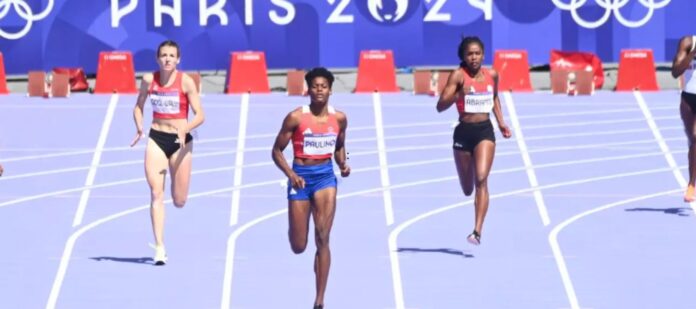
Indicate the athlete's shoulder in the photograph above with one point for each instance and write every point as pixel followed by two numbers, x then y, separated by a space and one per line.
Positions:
pixel 457 75
pixel 686 40
pixel 295 113
pixel 292 119
pixel 298 110
pixel 458 72
pixel 492 72
pixel 340 115
pixel 148 77
pixel 186 78
pixel 188 83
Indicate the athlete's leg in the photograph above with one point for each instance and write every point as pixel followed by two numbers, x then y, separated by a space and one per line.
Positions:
pixel 298 217
pixel 323 211
pixel 180 169
pixel 468 185
pixel 155 173
pixel 690 129
pixel 465 169
pixel 483 160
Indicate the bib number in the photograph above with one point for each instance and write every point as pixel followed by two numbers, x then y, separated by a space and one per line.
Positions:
pixel 478 102
pixel 165 103
pixel 319 144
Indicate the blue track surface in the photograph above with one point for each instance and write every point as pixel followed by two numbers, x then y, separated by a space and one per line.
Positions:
pixel 586 208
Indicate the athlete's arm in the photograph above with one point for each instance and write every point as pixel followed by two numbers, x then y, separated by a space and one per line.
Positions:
pixel 340 151
pixel 290 123
pixel 139 104
pixel 497 107
pixel 189 87
pixel 449 93
pixel 684 56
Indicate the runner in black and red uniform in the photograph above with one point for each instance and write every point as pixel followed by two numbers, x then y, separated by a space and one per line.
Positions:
pixel 475 91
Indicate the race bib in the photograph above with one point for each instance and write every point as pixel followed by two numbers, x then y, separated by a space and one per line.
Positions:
pixel 478 102
pixel 165 102
pixel 319 144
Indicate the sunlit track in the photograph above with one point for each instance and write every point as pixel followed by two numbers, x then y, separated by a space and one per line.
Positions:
pixel 409 144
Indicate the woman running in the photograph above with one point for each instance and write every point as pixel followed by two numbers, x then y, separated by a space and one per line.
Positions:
pixel 170 143
pixel 475 90
pixel 318 132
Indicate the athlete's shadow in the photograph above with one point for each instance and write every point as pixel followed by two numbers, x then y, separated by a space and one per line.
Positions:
pixel 679 211
pixel 141 260
pixel 437 250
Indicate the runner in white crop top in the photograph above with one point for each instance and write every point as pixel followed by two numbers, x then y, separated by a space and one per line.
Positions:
pixel 684 65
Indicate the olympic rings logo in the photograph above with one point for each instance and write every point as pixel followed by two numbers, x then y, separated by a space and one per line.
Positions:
pixel 610 6
pixel 24 11
pixel 375 5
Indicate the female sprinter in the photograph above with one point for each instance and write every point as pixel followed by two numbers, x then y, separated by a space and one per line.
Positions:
pixel 170 144
pixel 684 62
pixel 475 90
pixel 317 132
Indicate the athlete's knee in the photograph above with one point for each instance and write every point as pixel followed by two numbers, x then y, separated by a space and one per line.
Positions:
pixel 467 186
pixel 481 182
pixel 157 196
pixel 322 238
pixel 179 202
pixel 298 246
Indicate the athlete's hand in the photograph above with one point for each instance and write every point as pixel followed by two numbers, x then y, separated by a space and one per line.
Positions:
pixel 1 170
pixel 138 135
pixel 181 135
pixel 507 133
pixel 297 182
pixel 345 170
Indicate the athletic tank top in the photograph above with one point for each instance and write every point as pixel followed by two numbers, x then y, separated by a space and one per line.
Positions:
pixel 476 96
pixel 315 141
pixel 168 102
pixel 689 78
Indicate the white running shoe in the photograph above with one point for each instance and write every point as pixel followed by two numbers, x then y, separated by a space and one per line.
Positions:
pixel 474 238
pixel 160 255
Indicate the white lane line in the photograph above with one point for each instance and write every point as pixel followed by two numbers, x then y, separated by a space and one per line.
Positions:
pixel 558 254
pixel 96 158
pixel 382 153
pixel 661 142
pixel 393 236
pixel 531 175
pixel 239 159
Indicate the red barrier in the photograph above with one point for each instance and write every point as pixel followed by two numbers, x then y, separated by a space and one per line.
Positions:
pixel 247 73
pixel 513 70
pixel 376 72
pixel 3 78
pixel 60 85
pixel 637 71
pixel 115 73
pixel 77 78
pixel 36 84
pixel 295 83
pixel 578 61
pixel 441 78
pixel 422 82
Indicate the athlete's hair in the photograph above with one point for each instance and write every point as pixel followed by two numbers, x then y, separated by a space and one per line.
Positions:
pixel 319 72
pixel 465 44
pixel 169 43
